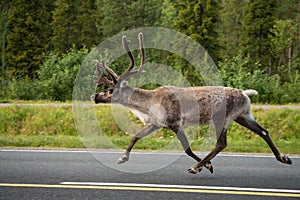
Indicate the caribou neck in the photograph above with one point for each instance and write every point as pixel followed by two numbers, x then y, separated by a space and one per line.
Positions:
pixel 136 98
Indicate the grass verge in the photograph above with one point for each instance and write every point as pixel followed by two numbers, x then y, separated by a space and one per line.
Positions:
pixel 53 127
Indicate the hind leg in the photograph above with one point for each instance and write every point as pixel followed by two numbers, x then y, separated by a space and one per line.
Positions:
pixel 249 122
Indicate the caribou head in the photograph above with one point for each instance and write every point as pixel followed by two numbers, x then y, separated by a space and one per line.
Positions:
pixel 118 87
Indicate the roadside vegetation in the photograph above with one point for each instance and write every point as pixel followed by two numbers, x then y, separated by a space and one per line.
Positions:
pixel 254 43
pixel 53 127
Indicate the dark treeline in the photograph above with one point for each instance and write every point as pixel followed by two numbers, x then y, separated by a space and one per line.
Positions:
pixel 255 43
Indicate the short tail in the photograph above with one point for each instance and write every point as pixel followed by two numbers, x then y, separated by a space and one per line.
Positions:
pixel 250 92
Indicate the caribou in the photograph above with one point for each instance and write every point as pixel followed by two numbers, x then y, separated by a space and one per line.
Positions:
pixel 174 108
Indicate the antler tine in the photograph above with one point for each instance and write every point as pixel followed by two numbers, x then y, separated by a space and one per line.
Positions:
pixel 98 72
pixel 142 49
pixel 143 53
pixel 126 48
pixel 114 77
pixel 128 73
pixel 98 75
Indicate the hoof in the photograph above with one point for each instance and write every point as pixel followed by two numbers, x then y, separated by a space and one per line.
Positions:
pixel 211 169
pixel 288 161
pixel 200 169
pixel 209 166
pixel 285 159
pixel 192 171
pixel 122 160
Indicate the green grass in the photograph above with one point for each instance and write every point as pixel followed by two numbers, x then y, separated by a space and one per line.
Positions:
pixel 53 127
pixel 47 141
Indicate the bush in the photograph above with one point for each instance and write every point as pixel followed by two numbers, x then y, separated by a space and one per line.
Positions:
pixel 54 82
pixel 271 90
pixel 56 77
pixel 7 89
pixel 57 74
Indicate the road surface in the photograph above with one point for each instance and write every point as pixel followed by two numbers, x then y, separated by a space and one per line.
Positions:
pixel 60 174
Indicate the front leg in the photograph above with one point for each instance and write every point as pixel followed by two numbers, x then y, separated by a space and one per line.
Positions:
pixel 146 131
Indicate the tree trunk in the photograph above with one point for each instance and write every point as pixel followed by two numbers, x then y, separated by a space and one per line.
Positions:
pixel 3 58
pixel 290 56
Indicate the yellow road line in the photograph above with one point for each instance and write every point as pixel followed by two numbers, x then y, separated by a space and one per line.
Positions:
pixel 151 189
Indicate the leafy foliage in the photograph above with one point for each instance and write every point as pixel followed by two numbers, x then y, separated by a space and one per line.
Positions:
pixel 28 37
pixel 121 15
pixel 55 82
pixel 74 23
pixel 168 14
pixel 57 74
pixel 258 20
pixel 255 41
pixel 231 20
pixel 281 47
pixel 199 20
pixel 270 88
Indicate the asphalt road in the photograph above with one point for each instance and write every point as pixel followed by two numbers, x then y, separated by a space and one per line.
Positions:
pixel 56 174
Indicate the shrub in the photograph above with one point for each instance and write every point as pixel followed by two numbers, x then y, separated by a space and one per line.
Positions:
pixel 57 74
pixel 271 90
pixel 54 82
pixel 56 77
pixel 6 90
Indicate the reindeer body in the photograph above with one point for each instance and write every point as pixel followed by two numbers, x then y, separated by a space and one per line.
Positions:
pixel 171 106
pixel 175 108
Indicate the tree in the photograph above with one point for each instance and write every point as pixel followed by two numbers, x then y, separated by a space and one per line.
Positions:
pixel 199 19
pixel 65 25
pixel 299 36
pixel 74 24
pixel 285 32
pixel 4 6
pixel 290 10
pixel 168 14
pixel 87 19
pixel 28 36
pixel 121 15
pixel 231 23
pixel 256 35
pixel 287 9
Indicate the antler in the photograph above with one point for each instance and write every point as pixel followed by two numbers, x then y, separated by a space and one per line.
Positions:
pixel 110 72
pixel 114 78
pixel 99 79
pixel 126 48
pixel 142 49
pixel 98 74
pixel 128 73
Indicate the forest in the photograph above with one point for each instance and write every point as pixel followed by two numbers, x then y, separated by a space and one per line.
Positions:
pixel 255 43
